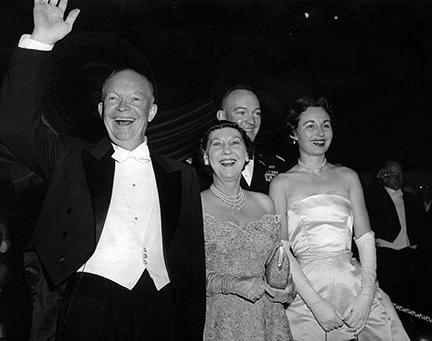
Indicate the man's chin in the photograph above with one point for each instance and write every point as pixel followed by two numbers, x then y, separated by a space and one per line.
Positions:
pixel 128 144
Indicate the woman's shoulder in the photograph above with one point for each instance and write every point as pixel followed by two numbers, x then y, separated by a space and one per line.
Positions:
pixel 205 194
pixel 264 201
pixel 286 177
pixel 207 200
pixel 344 171
pixel 347 176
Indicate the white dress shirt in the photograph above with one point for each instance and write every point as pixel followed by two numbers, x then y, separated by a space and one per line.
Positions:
pixel 401 240
pixel 131 239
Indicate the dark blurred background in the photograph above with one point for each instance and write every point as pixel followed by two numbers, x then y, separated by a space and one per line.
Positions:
pixel 371 58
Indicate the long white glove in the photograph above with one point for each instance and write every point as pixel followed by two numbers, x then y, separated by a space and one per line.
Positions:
pixel 325 313
pixel 250 288
pixel 357 312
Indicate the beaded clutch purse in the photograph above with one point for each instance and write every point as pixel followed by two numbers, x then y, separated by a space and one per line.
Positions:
pixel 278 269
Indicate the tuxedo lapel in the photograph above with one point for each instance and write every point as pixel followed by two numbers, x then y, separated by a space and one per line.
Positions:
pixel 244 184
pixel 391 208
pixel 256 176
pixel 99 170
pixel 169 185
pixel 391 215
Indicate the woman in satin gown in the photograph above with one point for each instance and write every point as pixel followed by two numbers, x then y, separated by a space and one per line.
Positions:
pixel 241 230
pixel 321 207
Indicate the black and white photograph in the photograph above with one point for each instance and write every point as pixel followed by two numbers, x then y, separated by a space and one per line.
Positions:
pixel 223 170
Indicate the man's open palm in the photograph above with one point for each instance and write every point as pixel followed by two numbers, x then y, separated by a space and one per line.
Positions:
pixel 49 25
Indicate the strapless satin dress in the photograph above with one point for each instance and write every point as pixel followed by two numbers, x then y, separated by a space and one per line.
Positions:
pixel 320 231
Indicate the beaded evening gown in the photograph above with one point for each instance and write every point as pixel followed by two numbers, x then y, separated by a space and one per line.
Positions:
pixel 320 232
pixel 242 251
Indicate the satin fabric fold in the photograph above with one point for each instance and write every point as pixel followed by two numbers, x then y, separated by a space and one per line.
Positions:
pixel 320 231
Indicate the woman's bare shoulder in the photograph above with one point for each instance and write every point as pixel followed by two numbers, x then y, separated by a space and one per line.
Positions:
pixel 286 178
pixel 263 200
pixel 345 172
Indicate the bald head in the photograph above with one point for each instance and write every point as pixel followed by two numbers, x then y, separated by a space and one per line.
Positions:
pixel 147 86
pixel 242 107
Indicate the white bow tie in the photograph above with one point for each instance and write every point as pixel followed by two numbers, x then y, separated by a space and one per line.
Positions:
pixel 396 193
pixel 399 193
pixel 142 155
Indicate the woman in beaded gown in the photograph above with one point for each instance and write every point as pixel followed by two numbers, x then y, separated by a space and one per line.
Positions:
pixel 241 231
pixel 321 206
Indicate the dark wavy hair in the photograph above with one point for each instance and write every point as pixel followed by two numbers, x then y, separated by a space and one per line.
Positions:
pixel 220 125
pixel 301 105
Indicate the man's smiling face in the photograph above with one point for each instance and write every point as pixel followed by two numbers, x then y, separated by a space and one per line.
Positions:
pixel 242 107
pixel 127 108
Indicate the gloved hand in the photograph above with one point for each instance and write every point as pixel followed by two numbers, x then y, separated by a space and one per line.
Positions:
pixel 326 315
pixel 357 312
pixel 250 288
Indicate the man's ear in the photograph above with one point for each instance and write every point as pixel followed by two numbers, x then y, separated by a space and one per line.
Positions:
pixel 220 115
pixel 100 109
pixel 152 112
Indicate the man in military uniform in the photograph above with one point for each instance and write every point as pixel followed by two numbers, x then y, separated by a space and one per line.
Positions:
pixel 241 105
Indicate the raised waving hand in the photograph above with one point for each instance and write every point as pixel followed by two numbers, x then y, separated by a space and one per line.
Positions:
pixel 50 26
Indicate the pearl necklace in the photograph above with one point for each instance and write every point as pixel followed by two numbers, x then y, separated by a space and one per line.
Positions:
pixel 235 201
pixel 324 161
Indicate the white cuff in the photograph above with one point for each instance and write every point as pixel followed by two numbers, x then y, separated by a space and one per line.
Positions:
pixel 366 237
pixel 26 42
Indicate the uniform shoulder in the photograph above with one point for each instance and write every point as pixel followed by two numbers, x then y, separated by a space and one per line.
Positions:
pixel 272 160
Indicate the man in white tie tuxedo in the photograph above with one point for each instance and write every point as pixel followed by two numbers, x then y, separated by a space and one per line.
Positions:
pixel 396 218
pixel 120 223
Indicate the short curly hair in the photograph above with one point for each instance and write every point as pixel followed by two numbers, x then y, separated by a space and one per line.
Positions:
pixel 220 125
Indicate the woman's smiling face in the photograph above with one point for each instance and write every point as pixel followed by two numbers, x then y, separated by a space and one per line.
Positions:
pixel 226 152
pixel 314 132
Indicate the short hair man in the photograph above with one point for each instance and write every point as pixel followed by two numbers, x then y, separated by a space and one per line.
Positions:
pixel 121 223
pixel 241 105
pixel 396 217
